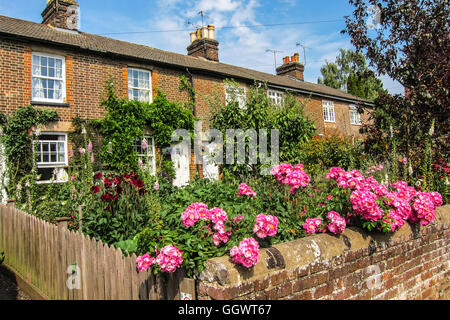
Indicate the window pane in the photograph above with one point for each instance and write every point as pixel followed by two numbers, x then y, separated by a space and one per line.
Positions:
pixel 52 147
pixel 44 61
pixel 51 72
pixel 61 157
pixel 60 146
pixel 45 158
pixel 43 71
pixel 36 60
pixel 53 158
pixel 36 70
pixel 58 63
pixel 51 62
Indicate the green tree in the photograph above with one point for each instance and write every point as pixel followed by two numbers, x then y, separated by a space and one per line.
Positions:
pixel 350 73
pixel 410 43
pixel 295 129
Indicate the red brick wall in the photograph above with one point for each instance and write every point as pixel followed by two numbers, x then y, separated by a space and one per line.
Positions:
pixel 413 263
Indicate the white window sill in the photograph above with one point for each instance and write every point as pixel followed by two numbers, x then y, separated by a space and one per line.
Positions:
pixel 51 182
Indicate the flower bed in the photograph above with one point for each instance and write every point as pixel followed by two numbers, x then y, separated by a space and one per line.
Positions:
pixel 248 220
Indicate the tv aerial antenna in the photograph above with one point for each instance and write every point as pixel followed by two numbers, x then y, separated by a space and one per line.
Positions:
pixel 274 56
pixel 298 44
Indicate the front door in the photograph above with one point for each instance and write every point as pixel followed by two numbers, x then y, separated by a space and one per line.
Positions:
pixel 180 158
pixel 210 168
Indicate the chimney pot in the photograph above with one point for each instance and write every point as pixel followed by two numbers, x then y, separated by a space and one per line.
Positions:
pixel 193 36
pixel 211 31
pixel 62 14
pixel 203 44
pixel 294 69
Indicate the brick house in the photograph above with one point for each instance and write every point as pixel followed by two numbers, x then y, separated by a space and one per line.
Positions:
pixel 53 64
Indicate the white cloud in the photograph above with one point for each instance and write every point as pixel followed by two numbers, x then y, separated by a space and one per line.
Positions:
pixel 217 5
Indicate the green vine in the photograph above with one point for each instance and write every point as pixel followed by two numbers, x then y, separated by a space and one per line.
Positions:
pixel 17 143
pixel 126 121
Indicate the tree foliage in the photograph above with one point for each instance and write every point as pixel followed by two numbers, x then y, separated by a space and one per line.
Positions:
pixel 410 44
pixel 295 129
pixel 126 121
pixel 351 73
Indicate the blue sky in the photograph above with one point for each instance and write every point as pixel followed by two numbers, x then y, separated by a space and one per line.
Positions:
pixel 243 46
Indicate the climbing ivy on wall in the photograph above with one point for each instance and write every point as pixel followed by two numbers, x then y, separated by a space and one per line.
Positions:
pixel 127 120
pixel 17 141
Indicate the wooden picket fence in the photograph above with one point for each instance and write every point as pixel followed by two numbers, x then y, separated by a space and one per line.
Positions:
pixel 68 265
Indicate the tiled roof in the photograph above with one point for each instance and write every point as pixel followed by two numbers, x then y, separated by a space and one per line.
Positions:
pixel 43 33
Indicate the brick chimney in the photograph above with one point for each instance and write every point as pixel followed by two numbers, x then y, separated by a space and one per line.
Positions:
pixel 203 44
pixel 291 67
pixel 62 14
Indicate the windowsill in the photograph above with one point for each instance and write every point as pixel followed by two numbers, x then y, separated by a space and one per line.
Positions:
pixel 329 121
pixel 49 104
pixel 51 182
pixel 356 124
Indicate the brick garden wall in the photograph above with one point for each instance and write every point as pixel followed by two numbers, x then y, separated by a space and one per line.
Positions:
pixel 413 263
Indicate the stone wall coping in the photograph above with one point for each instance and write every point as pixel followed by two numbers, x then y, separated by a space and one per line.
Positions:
pixel 301 253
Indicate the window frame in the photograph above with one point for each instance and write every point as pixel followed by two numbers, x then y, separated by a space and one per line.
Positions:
pixel 328 110
pixel 55 165
pixel 239 92
pixel 276 102
pixel 63 77
pixel 150 142
pixel 150 95
pixel 353 110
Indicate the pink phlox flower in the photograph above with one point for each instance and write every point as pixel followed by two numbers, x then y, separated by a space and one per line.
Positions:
pixel 246 253
pixel 170 258
pixel 245 190
pixel 266 225
pixel 144 262
pixel 217 214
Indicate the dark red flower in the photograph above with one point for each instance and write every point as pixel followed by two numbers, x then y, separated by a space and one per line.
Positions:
pixel 97 176
pixel 107 182
pixel 117 180
pixel 107 208
pixel 104 197
pixel 95 189
pixel 138 183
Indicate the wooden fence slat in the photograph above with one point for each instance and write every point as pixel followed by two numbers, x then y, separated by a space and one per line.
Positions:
pixel 134 278
pixel 100 270
pixel 107 272
pixel 119 272
pixel 42 253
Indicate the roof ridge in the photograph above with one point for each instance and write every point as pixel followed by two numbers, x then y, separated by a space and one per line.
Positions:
pixel 99 42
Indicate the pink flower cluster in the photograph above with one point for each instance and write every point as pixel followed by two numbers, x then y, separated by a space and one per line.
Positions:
pixel 364 203
pixel 245 190
pixel 404 203
pixel 294 177
pixel 169 259
pixel 195 212
pixel 266 225
pixel 337 223
pixel 312 226
pixel 144 262
pixel 199 211
pixel 247 253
